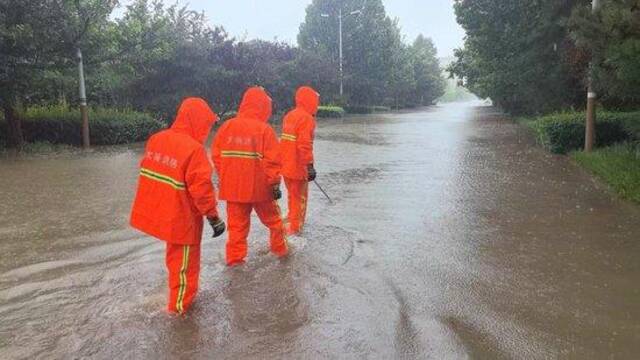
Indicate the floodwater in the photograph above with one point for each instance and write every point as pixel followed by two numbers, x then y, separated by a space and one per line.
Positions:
pixel 451 236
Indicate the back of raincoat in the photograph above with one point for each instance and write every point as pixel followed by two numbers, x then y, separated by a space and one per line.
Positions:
pixel 245 152
pixel 298 129
pixel 175 190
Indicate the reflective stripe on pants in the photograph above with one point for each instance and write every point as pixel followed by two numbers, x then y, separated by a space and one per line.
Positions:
pixel 183 265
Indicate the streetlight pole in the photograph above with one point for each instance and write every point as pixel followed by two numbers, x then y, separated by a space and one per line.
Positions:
pixel 590 126
pixel 83 102
pixel 340 47
pixel 341 68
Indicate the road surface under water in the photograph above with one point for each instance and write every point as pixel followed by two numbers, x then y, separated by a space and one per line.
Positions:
pixel 452 236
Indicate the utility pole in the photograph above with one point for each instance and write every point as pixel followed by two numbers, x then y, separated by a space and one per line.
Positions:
pixel 341 68
pixel 340 42
pixel 590 128
pixel 83 102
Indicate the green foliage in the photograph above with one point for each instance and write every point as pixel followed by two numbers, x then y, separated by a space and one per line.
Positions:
pixel 517 54
pixel 155 55
pixel 378 108
pixel 618 166
pixel 60 125
pixel 331 112
pixel 564 132
pixel 379 67
pixel 430 82
pixel 362 109
pixel 43 148
pixel 38 42
pixel 612 37
pixel 229 115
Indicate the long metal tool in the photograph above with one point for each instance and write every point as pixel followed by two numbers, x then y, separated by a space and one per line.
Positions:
pixel 324 192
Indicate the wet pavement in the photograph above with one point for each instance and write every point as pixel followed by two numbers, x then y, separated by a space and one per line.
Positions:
pixel 452 236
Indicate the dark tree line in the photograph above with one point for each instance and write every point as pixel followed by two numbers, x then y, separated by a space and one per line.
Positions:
pixel 154 55
pixel 533 56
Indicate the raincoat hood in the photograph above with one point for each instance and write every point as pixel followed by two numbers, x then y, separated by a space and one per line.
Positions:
pixel 256 104
pixel 308 99
pixel 195 118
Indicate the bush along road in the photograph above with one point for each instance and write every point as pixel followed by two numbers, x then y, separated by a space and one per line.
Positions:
pixel 616 159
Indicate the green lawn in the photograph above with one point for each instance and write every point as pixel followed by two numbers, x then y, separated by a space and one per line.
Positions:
pixel 618 165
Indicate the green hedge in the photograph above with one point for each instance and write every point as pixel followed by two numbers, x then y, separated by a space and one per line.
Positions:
pixel 330 112
pixel 60 125
pixel 561 133
pixel 362 109
pixel 229 115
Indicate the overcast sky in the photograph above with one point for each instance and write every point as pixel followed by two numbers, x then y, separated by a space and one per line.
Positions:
pixel 270 19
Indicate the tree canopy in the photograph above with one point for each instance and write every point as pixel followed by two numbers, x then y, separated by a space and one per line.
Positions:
pixel 533 56
pixel 154 55
pixel 379 67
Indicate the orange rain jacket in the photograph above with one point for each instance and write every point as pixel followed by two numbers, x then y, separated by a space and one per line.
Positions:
pixel 297 134
pixel 245 152
pixel 175 189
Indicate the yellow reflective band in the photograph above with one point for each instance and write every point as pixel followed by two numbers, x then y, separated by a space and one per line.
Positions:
pixel 289 137
pixel 242 154
pixel 183 279
pixel 162 178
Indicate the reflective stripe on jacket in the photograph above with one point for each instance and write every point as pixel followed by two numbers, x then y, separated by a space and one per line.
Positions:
pixel 298 129
pixel 245 152
pixel 175 190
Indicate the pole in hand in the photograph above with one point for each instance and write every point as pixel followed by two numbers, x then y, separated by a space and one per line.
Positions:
pixel 323 192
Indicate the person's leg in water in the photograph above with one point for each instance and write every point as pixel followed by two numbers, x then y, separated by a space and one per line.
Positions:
pixel 271 216
pixel 297 194
pixel 238 226
pixel 183 265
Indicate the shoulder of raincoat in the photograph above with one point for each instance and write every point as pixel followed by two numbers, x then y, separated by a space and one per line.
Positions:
pixel 175 190
pixel 245 151
pixel 298 130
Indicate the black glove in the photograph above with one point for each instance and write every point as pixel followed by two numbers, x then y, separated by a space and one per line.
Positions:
pixel 311 171
pixel 277 193
pixel 217 225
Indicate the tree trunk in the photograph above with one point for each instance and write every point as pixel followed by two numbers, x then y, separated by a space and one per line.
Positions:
pixel 15 138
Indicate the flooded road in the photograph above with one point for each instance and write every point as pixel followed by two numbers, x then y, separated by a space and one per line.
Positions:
pixel 452 236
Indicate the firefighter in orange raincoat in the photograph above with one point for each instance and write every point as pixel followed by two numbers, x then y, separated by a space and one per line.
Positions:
pixel 174 193
pixel 246 156
pixel 297 154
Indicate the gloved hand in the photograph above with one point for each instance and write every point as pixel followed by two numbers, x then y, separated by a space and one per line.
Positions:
pixel 277 193
pixel 311 171
pixel 217 225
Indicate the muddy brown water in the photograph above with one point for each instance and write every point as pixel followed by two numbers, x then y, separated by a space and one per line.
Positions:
pixel 452 236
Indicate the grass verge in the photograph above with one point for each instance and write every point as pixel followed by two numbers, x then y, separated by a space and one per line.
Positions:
pixel 618 166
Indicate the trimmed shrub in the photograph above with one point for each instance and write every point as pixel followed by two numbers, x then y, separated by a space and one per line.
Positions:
pixel 380 108
pixel 564 132
pixel 330 112
pixel 363 109
pixel 229 115
pixel 60 125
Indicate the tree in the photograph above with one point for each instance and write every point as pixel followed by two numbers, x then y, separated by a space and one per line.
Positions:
pixel 612 39
pixel 370 40
pixel 36 36
pixel 519 54
pixel 430 84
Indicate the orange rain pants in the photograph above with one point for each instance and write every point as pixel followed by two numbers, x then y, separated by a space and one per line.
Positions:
pixel 239 223
pixel 183 264
pixel 298 192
